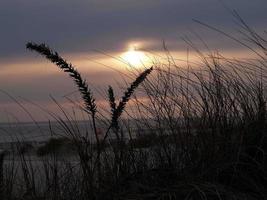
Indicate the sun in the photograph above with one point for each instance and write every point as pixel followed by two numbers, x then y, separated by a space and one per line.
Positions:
pixel 134 57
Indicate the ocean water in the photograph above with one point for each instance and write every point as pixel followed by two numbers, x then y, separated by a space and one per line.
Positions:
pixel 41 131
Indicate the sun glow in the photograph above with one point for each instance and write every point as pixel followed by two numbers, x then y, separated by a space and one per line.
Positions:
pixel 134 57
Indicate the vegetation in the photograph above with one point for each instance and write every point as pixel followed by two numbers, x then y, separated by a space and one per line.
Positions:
pixel 55 145
pixel 205 135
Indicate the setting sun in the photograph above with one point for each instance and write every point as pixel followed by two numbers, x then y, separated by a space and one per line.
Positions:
pixel 134 57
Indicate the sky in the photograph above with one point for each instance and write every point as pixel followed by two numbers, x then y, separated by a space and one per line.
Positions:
pixel 88 33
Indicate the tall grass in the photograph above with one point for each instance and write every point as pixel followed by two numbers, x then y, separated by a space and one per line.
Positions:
pixel 200 134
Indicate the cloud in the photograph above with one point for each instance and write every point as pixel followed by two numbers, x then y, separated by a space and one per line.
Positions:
pixel 74 26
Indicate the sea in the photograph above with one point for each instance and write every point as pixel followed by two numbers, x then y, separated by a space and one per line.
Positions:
pixel 38 133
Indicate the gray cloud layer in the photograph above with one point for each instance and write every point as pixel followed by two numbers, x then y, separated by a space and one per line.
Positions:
pixel 73 26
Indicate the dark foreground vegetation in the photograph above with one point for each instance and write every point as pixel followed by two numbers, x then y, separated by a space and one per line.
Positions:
pixel 206 136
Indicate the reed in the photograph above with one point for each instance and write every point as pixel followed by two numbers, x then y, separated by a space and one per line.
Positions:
pixel 127 95
pixel 68 68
